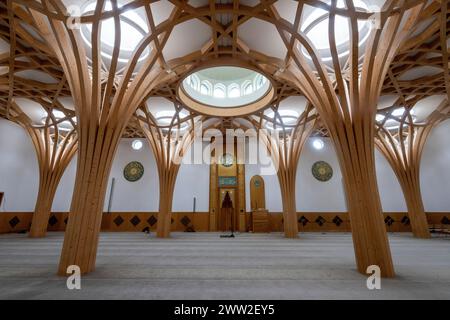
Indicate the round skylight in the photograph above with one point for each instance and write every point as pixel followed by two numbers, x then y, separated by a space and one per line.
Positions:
pixel 316 28
pixel 226 87
pixel 133 28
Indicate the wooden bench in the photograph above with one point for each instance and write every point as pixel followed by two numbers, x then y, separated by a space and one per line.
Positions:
pixel 442 229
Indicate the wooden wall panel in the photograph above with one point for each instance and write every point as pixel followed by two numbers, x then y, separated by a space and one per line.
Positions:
pixel 15 221
pixel 199 221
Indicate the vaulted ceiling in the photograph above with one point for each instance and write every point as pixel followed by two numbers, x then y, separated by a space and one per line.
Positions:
pixel 197 32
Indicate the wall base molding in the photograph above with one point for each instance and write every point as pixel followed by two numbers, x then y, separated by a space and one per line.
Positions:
pixel 11 222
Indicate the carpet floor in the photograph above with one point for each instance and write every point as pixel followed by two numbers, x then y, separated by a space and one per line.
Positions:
pixel 205 266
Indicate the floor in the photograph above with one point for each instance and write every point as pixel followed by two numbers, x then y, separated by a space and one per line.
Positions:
pixel 204 266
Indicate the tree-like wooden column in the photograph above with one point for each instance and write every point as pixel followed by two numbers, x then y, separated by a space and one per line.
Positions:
pixel 169 141
pixel 285 143
pixel 106 94
pixel 344 85
pixel 401 140
pixel 55 143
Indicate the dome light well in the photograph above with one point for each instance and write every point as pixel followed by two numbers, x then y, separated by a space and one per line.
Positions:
pixel 226 86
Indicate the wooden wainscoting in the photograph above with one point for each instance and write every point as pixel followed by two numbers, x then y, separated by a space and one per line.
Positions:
pixel 142 221
pixel 116 221
pixel 199 221
pixel 15 221
pixel 340 222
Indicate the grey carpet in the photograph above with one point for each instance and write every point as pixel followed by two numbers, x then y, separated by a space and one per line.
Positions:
pixel 203 266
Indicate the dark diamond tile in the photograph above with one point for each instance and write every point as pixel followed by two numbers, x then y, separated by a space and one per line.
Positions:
pixel 146 229
pixel 320 220
pixel 405 220
pixel 118 220
pixel 152 220
pixel 445 220
pixel 14 221
pixel 303 220
pixel 337 221
pixel 52 221
pixel 185 221
pixel 189 229
pixel 389 221
pixel 135 221
pixel 172 221
pixel 66 220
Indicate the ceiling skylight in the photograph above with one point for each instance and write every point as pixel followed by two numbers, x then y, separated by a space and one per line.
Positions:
pixel 287 118
pixel 167 118
pixel 133 28
pixel 393 120
pixel 226 86
pixel 316 28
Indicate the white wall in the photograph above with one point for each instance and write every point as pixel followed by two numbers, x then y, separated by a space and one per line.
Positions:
pixel 19 172
pixel 19 179
pixel 435 170
pixel 141 195
pixel 313 195
pixel 316 196
pixel 192 181
pixel 391 194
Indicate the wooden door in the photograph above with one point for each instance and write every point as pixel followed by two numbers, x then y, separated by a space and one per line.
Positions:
pixel 257 193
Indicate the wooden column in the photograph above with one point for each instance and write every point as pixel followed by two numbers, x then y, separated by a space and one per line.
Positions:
pixel 166 189
pixel 169 143
pixel 213 197
pixel 55 147
pixel 105 99
pixel 345 89
pixel 242 225
pixel 285 147
pixel 401 140
pixel 48 183
pixel 84 221
pixel 290 223
pixel 413 197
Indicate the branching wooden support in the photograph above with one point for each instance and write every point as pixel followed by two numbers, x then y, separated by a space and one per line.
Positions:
pixel 284 144
pixel 55 142
pixel 401 140
pixel 169 144
pixel 345 87
pixel 105 99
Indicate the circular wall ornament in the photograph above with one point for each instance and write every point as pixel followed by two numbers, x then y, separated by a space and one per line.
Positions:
pixel 322 171
pixel 133 171
pixel 226 160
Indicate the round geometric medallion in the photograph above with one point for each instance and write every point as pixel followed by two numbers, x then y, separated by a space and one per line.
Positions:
pixel 322 171
pixel 133 171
